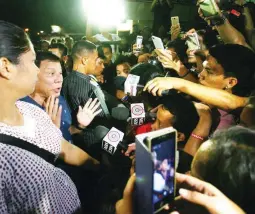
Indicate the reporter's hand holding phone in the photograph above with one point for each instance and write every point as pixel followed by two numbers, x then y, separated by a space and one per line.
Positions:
pixel 205 195
pixel 125 205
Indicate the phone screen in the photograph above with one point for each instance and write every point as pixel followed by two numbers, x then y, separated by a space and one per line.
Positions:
pixel 139 41
pixel 163 154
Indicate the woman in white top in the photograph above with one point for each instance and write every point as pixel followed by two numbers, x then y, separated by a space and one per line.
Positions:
pixel 28 183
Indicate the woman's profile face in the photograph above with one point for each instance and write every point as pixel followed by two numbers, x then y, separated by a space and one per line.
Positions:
pixel 25 73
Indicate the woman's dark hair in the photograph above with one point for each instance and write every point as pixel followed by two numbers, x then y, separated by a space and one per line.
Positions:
pixel 13 42
pixel 209 37
pixel 231 165
pixel 180 48
pixel 146 72
pixel 185 114
pixel 239 62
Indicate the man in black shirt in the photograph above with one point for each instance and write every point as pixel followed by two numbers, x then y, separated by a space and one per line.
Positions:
pixel 81 85
pixel 162 15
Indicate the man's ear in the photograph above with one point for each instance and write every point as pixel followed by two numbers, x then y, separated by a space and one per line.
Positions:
pixel 180 137
pixel 65 58
pixel 84 60
pixel 231 82
pixel 6 68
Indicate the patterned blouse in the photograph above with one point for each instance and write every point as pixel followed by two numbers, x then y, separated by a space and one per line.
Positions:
pixel 29 184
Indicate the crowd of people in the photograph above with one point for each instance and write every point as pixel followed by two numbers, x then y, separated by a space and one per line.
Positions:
pixel 59 97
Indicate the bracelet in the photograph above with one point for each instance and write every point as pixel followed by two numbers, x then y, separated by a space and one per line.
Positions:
pixel 197 136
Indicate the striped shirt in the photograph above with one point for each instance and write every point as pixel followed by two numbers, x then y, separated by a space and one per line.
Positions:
pixel 77 89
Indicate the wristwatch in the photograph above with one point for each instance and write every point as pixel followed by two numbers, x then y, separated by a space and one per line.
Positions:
pixel 219 20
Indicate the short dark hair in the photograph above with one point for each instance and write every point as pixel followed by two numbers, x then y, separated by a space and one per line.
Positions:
pixel 13 42
pixel 41 56
pixel 239 62
pixel 146 72
pixel 231 165
pixel 209 37
pixel 185 114
pixel 104 45
pixel 61 47
pixel 81 46
pixel 180 48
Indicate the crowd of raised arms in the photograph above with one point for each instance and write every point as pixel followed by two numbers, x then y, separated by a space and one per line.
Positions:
pixel 60 98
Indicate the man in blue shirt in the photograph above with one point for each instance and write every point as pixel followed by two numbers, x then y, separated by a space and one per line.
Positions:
pixel 49 84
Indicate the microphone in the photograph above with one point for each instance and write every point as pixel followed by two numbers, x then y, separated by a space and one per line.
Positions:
pixel 120 113
pixel 112 140
pixel 100 132
pixel 150 116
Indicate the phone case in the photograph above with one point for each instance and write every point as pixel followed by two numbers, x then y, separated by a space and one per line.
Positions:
pixel 208 8
pixel 175 20
pixel 193 42
pixel 157 42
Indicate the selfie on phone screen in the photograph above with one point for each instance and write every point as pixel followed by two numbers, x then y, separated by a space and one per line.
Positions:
pixel 164 170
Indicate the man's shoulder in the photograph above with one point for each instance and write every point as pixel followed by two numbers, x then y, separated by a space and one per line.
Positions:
pixel 75 78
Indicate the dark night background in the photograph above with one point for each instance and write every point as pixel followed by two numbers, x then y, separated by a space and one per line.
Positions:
pixel 41 14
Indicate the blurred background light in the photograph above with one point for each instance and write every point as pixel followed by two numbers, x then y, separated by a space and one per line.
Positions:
pixel 55 29
pixel 104 13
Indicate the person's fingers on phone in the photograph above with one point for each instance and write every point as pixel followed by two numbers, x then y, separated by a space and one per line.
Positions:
pixel 194 197
pixel 131 148
pixel 196 184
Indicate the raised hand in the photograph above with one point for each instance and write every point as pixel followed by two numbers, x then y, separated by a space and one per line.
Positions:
pixel 158 85
pixel 53 110
pixel 86 114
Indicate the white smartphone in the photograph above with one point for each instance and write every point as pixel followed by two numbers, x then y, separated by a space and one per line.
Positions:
pixel 157 42
pixel 193 42
pixel 175 20
pixel 139 41
pixel 155 169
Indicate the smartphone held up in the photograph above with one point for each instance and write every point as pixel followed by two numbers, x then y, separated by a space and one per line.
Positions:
pixel 155 170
